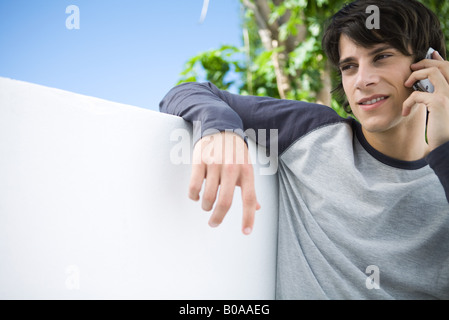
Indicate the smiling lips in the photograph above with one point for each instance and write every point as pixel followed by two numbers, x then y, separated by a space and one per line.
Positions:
pixel 372 101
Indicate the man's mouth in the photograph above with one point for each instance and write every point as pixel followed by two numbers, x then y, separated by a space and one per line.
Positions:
pixel 371 100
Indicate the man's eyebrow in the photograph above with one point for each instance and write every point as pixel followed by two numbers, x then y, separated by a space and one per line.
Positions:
pixel 380 49
pixel 371 53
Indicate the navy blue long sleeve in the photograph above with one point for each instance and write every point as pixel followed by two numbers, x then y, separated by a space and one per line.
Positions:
pixel 220 110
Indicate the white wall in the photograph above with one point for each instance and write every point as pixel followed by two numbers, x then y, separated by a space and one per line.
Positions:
pixel 93 207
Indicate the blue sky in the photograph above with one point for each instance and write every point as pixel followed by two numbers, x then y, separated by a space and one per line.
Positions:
pixel 128 51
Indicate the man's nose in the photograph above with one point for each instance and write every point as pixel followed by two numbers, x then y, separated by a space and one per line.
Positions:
pixel 366 76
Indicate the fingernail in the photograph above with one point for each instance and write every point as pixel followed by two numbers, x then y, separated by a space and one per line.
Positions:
pixel 213 224
pixel 247 231
pixel 194 197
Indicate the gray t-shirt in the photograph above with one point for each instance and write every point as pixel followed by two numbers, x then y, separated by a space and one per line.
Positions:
pixel 353 223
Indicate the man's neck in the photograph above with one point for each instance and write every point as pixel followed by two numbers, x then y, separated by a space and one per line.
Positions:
pixel 404 142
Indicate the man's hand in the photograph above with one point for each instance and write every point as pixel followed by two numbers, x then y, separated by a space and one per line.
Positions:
pixel 437 103
pixel 223 161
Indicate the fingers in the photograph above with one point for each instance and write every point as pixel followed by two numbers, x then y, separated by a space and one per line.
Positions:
pixel 437 72
pixel 436 56
pixel 437 78
pixel 211 187
pixel 196 181
pixel 427 63
pixel 198 173
pixel 226 194
pixel 437 105
pixel 221 163
pixel 436 62
pixel 224 201
pixel 250 203
pixel 415 99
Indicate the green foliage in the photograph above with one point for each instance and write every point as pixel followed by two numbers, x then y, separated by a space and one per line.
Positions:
pixel 441 8
pixel 253 66
pixel 216 63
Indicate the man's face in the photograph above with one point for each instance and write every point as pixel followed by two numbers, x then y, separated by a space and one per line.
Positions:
pixel 373 80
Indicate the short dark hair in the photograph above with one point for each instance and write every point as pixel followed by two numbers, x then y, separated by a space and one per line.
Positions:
pixel 404 24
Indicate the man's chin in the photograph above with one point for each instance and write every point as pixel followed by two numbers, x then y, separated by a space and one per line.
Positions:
pixel 375 125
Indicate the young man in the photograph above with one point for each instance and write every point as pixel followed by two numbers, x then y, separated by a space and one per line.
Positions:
pixel 355 197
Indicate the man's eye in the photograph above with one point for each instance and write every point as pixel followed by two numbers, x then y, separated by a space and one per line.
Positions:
pixel 382 56
pixel 346 67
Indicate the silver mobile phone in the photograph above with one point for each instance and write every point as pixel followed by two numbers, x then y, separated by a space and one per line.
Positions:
pixel 425 85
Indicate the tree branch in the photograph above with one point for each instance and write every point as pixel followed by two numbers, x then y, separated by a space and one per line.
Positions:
pixel 270 40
